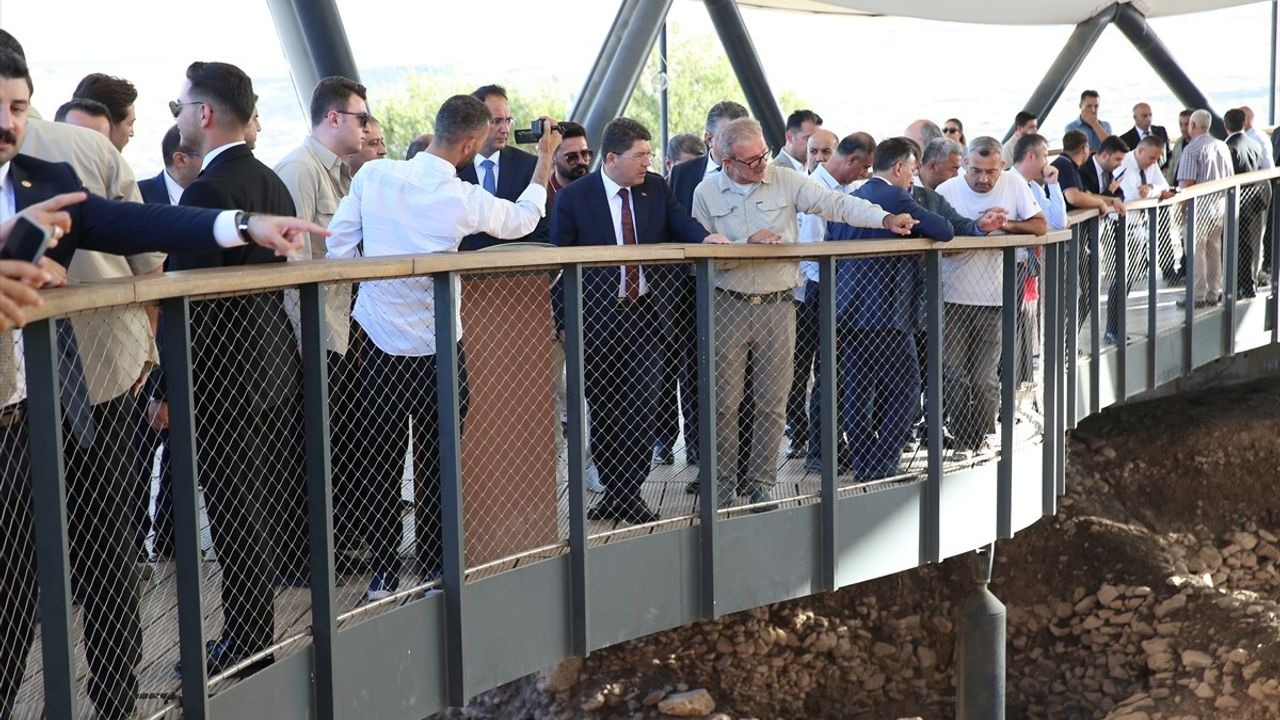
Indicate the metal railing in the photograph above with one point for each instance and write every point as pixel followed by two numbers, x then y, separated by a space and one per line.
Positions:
pixel 300 467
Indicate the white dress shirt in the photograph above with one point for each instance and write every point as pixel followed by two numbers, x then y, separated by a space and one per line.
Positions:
pixel 813 228
pixel 1134 178
pixel 785 156
pixel 173 188
pixel 611 195
pixel 478 161
pixel 209 156
pixel 399 207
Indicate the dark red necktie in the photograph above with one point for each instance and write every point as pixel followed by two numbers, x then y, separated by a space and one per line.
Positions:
pixel 632 272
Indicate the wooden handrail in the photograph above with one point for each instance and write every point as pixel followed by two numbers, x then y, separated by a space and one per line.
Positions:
pixel 1208 188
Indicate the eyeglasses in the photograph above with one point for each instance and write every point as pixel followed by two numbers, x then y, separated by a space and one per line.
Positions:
pixel 502 121
pixel 175 106
pixel 951 130
pixel 583 155
pixel 752 162
pixel 363 117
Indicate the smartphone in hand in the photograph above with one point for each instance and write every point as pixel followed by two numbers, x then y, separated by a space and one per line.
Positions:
pixel 27 241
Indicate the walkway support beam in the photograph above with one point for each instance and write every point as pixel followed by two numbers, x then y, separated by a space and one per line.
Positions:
pixel 1135 27
pixel 617 69
pixel 747 66
pixel 314 41
pixel 981 651
pixel 1064 67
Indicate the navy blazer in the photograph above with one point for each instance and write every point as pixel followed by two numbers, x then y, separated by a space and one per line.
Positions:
pixel 154 190
pixel 582 217
pixel 515 172
pixel 880 293
pixel 685 178
pixel 107 226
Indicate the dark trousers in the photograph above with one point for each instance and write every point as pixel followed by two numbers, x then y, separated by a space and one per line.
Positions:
pixel 811 291
pixel 971 361
pixel 102 558
pixel 622 361
pixel 678 395
pixel 399 395
pixel 879 399
pixel 145 442
pixel 247 487
pixel 345 442
pixel 1135 271
pixel 806 351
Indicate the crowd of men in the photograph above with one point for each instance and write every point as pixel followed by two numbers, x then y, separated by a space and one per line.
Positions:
pixel 464 186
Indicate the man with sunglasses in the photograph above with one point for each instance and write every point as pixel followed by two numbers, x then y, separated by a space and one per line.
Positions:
pixel 317 176
pixel 752 201
pixel 572 160
pixel 503 171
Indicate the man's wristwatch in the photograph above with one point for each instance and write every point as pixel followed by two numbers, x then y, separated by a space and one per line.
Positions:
pixel 242 227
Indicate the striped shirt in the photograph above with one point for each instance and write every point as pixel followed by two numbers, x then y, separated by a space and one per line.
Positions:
pixel 1203 159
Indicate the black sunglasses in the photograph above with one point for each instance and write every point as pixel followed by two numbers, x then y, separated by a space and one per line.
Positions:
pixel 363 117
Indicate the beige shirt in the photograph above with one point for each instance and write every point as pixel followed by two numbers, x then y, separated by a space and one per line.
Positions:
pixel 722 206
pixel 318 180
pixel 116 346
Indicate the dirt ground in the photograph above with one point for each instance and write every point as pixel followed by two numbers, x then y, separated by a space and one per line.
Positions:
pixel 1151 595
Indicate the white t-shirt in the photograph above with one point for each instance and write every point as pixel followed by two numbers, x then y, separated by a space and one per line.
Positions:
pixel 977 277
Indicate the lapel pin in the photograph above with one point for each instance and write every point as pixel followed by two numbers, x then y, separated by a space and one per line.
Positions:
pixel 26 183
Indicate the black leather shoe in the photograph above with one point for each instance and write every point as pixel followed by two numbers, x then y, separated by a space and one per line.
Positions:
pixel 797 449
pixel 605 509
pixel 663 455
pixel 636 512
pixel 691 488
pixel 220 655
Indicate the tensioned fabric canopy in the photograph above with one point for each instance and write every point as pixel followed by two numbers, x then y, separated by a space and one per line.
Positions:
pixel 993 12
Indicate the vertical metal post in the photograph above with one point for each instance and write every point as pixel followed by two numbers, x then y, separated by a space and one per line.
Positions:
pixel 663 89
pixel 830 452
pixel 1135 27
pixel 981 647
pixel 1271 99
pixel 1095 306
pixel 1008 392
pixel 1064 67
pixel 1051 360
pixel 1231 284
pixel 1066 302
pixel 576 407
pixel 727 19
pixel 186 505
pixel 447 385
pixel 1274 300
pixel 1189 296
pixel 931 523
pixel 1153 291
pixel 315 376
pixel 1122 297
pixel 1073 322
pixel 708 497
pixel 49 516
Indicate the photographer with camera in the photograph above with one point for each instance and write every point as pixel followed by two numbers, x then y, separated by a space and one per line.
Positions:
pixel 503 171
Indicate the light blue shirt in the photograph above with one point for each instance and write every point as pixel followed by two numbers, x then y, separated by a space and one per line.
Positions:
pixel 1094 140
pixel 1053 205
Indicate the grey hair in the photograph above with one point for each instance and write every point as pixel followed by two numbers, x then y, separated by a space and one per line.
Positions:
pixel 986 146
pixel 1202 119
pixel 735 132
pixel 940 149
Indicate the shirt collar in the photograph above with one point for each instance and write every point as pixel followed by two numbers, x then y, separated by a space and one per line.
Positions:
pixel 824 176
pixel 209 156
pixel 479 159
pixel 610 187
pixel 173 188
pixel 711 166
pixel 4 176
pixel 327 157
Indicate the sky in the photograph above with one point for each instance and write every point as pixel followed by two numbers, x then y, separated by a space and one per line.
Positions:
pixel 875 74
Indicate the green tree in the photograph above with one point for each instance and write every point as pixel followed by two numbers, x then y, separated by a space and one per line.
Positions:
pixel 699 75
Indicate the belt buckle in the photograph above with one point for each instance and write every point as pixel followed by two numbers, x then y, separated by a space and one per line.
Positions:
pixel 755 299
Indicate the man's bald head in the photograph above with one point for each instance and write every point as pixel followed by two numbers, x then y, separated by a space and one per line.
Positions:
pixel 923 132
pixel 822 144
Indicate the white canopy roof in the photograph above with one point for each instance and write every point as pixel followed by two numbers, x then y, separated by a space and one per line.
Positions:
pixel 993 12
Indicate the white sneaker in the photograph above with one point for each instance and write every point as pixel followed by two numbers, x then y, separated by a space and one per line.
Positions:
pixel 593 479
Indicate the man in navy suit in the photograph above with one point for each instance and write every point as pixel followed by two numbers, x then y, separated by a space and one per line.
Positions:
pixel 101 559
pixel 876 312
pixel 622 203
pixel 502 170
pixel 181 168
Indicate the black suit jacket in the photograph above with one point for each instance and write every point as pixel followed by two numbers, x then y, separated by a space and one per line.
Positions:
pixel 685 178
pixel 1246 156
pixel 243 348
pixel 1131 139
pixel 582 217
pixel 107 226
pixel 515 172
pixel 154 190
pixel 1089 179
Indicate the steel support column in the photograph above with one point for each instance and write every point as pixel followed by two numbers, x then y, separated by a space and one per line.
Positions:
pixel 314 42
pixel 618 67
pixel 1135 27
pixel 746 65
pixel 1064 67
pixel 980 671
